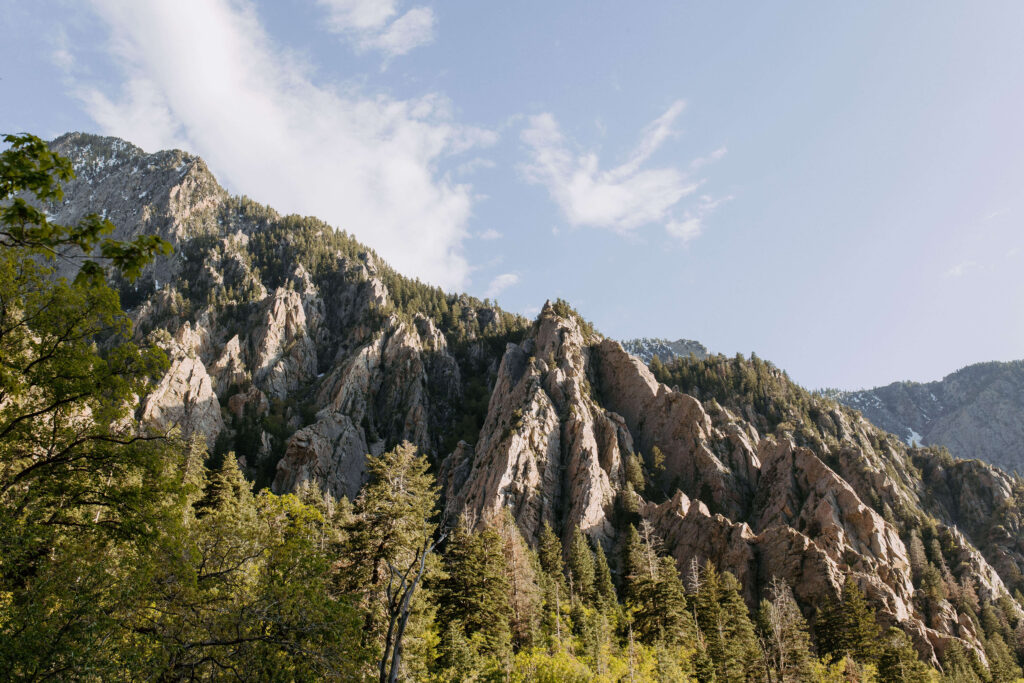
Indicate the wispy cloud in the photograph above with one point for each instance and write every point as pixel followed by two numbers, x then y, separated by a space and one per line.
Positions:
pixel 377 25
pixel 490 234
pixel 687 229
pixel 500 284
pixel 961 269
pixel 691 226
pixel 710 158
pixel 621 198
pixel 364 162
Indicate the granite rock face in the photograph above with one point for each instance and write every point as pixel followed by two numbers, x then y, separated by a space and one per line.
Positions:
pixel 566 410
pixel 184 397
pixel 543 430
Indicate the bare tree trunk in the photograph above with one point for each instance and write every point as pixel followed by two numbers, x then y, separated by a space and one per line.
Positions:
pixel 400 590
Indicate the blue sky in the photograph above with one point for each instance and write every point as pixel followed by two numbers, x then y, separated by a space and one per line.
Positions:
pixel 836 186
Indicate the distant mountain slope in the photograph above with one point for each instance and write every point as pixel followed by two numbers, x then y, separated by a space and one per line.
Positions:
pixel 646 348
pixel 976 412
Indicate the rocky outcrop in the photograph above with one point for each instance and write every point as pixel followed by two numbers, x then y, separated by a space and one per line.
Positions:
pixel 184 397
pixel 171 194
pixel 547 451
pixel 715 462
pixel 230 368
pixel 378 395
pixel 566 410
pixel 283 350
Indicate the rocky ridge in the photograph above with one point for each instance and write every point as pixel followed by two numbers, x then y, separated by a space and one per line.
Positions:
pixel 566 411
pixel 646 348
pixel 975 412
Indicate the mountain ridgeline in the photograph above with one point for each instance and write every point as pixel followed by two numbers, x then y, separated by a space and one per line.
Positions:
pixel 976 412
pixel 647 348
pixel 300 351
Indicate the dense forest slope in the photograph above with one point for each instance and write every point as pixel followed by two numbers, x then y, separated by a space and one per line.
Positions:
pixel 302 352
pixel 975 412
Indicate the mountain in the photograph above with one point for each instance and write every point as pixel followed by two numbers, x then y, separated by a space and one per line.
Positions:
pixel 299 349
pixel 646 348
pixel 975 412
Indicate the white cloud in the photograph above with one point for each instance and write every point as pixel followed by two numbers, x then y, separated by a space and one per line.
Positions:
pixel 687 229
pixel 365 163
pixel 500 284
pixel 531 311
pixel 711 158
pixel 622 198
pixel 692 224
pixel 961 269
pixel 371 25
pixel 361 15
pixel 490 234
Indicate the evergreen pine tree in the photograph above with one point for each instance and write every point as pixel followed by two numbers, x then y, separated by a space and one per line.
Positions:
pixel 633 560
pixel 581 567
pixel 959 666
pixel 915 551
pixel 899 661
pixel 1002 663
pixel 550 552
pixel 603 584
pixel 225 488
pixel 635 471
pixel 848 627
pixel 522 570
pixel 475 590
pixel 726 627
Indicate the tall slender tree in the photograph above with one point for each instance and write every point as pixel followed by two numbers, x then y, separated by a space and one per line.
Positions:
pixel 724 621
pixel 784 635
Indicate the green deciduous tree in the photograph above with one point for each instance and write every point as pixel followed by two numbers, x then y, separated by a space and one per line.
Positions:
pixel 82 490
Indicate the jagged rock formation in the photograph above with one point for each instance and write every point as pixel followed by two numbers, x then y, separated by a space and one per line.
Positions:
pixel 294 346
pixel 289 342
pixel 646 348
pixel 566 411
pixel 976 412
